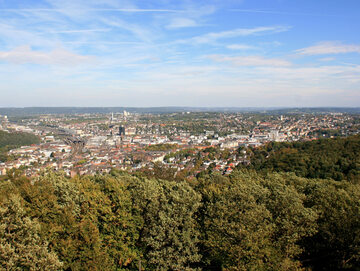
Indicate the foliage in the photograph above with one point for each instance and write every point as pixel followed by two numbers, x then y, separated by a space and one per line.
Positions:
pixel 254 223
pixel 169 236
pixel 117 221
pixel 162 147
pixel 10 141
pixel 337 158
pixel 236 228
pixel 17 139
pixel 21 247
pixel 336 245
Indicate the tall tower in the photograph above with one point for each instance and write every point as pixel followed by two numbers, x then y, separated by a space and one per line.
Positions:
pixel 111 118
pixel 121 130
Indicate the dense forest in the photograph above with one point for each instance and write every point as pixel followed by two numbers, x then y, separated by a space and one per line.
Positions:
pixel 14 140
pixel 118 221
pixel 297 207
pixel 336 158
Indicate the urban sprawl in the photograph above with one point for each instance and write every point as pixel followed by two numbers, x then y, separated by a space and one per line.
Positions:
pixel 187 142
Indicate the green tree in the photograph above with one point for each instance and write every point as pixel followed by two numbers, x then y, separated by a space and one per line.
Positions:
pixel 236 225
pixel 337 158
pixel 21 247
pixel 293 220
pixel 251 222
pixel 119 221
pixel 336 246
pixel 169 235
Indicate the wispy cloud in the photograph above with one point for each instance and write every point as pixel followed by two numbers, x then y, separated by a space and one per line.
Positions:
pixel 327 59
pixel 24 55
pixel 240 47
pixel 239 32
pixel 128 10
pixel 181 23
pixel 325 48
pixel 105 42
pixel 191 14
pixel 139 31
pixel 13 35
pixel 282 13
pixel 327 73
pixel 250 60
pixel 79 31
pixel 143 52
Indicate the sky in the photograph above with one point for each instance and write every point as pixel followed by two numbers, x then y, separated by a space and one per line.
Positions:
pixel 213 53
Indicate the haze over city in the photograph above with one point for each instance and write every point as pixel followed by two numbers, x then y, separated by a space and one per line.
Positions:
pixel 179 53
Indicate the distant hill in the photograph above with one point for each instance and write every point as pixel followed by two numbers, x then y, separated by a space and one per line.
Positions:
pixel 25 111
pixel 13 111
pixel 311 110
pixel 337 158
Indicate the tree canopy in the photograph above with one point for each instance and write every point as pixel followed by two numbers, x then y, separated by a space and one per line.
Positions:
pixel 337 158
pixel 119 221
pixel 14 140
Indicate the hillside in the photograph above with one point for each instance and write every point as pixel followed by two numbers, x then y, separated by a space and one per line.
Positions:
pixel 10 141
pixel 337 158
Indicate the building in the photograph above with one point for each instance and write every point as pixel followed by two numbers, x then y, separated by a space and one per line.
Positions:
pixel 121 131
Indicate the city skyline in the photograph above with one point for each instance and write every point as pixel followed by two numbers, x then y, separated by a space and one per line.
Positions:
pixel 179 53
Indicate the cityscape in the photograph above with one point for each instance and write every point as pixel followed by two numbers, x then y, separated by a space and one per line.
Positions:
pixel 179 135
pixel 96 143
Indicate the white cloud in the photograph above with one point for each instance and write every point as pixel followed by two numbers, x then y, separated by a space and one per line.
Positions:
pixel 240 47
pixel 79 31
pixel 239 32
pixel 282 13
pixel 130 10
pixel 141 32
pixel 325 48
pixel 181 22
pixel 274 43
pixel 333 75
pixel 133 10
pixel 190 14
pixel 250 60
pixel 24 54
pixel 14 36
pixel 327 59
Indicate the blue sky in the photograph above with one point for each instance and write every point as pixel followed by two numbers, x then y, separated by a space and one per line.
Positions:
pixel 180 53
